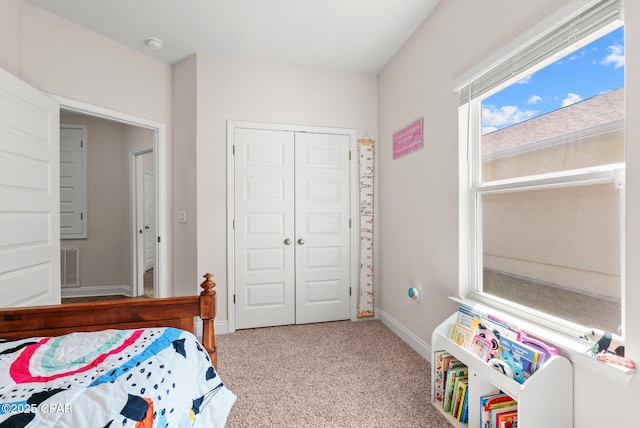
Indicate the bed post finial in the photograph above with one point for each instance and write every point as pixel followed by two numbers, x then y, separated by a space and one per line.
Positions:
pixel 207 285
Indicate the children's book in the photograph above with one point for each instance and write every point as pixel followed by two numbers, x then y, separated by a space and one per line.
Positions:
pixel 458 398
pixel 468 317
pixel 498 410
pixel 452 375
pixel 462 335
pixel 439 358
pixel 524 355
pixel 494 402
pixel 508 419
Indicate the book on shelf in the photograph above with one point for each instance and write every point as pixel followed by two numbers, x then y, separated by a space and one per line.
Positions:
pixel 443 361
pixel 508 419
pixel 460 391
pixel 463 410
pixel 450 384
pixel 462 335
pixel 499 410
pixel 492 402
pixel 525 356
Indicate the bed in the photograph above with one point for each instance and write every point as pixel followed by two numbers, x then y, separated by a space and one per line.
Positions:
pixel 131 363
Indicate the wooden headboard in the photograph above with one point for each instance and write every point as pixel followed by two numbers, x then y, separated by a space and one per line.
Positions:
pixel 178 312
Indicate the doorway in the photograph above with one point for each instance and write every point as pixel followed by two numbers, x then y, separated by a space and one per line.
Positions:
pixel 293 234
pixel 154 150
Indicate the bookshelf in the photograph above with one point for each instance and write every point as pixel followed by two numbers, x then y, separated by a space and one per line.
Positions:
pixel 545 399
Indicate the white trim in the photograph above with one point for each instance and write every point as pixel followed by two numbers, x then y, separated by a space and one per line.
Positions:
pixel 353 210
pixel 98 290
pixel 417 344
pixel 163 268
pixel 220 327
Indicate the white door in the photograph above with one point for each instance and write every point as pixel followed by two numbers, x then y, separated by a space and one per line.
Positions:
pixel 291 231
pixel 72 179
pixel 322 227
pixel 264 228
pixel 29 195
pixel 145 238
pixel 149 185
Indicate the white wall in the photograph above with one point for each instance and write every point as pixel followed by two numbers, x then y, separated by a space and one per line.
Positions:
pixel 186 274
pixel 419 193
pixel 237 89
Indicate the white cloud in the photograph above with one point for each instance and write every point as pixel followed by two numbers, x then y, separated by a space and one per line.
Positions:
pixel 616 57
pixel 504 116
pixel 571 99
pixel 534 99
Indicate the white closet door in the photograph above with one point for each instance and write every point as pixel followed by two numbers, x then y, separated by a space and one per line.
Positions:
pixel 264 228
pixel 29 195
pixel 322 227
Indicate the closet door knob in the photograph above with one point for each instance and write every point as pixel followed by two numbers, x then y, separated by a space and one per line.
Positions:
pixel 301 241
pixel 287 241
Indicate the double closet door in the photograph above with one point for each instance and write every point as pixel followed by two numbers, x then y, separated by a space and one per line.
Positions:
pixel 291 227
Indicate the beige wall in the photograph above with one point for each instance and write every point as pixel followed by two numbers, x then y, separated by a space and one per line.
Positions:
pixel 419 193
pixel 105 255
pixel 554 254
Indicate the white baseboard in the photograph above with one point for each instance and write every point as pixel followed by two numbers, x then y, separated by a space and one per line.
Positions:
pixel 418 345
pixel 220 327
pixel 99 290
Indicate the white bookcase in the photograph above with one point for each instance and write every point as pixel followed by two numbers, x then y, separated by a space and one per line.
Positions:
pixel 545 399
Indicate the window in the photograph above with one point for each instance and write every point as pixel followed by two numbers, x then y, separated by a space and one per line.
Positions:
pixel 544 135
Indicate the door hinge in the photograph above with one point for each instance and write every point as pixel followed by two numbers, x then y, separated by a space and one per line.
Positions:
pixel 349 154
pixel 81 144
pixel 234 299
pixel 81 216
pixel 233 224
pixel 349 291
pixel 233 150
pixel 349 223
pixel 158 239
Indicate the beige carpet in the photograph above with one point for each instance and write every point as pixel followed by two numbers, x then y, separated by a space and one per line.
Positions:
pixel 338 374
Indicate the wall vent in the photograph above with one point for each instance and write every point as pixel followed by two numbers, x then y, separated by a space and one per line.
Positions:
pixel 70 267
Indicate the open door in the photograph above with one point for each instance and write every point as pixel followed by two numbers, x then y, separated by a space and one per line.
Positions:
pixel 144 240
pixel 30 195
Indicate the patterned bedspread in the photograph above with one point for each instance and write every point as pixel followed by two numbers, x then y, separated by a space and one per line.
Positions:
pixel 144 378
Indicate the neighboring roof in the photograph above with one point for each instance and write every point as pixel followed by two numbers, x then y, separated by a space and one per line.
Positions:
pixel 593 112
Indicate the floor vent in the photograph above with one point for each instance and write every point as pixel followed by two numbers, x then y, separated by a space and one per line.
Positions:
pixel 70 267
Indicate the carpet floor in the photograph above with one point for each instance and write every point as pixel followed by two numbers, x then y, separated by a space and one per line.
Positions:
pixel 337 374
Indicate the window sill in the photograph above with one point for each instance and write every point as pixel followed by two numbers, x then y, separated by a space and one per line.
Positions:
pixel 573 349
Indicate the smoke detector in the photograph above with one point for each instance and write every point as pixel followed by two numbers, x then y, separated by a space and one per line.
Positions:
pixel 154 43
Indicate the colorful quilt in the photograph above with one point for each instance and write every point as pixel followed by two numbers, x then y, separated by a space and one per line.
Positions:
pixel 143 378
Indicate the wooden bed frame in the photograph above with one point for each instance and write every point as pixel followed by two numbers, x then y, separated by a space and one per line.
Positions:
pixel 178 312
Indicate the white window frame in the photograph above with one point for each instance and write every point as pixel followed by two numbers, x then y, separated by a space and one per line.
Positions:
pixel 490 77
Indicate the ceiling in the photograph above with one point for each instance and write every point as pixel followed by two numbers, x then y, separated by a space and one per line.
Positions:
pixel 356 35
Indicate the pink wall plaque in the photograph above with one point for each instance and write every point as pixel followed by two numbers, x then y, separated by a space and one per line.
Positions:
pixel 408 139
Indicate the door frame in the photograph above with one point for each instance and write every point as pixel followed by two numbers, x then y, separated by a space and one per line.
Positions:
pixel 160 147
pixel 353 205
pixel 137 198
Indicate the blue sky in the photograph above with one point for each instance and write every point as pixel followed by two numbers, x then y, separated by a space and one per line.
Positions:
pixel 587 72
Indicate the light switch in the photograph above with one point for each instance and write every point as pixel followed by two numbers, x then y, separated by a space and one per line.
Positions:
pixel 182 216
